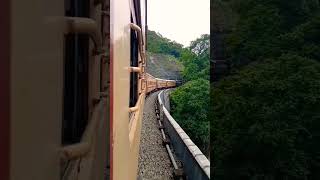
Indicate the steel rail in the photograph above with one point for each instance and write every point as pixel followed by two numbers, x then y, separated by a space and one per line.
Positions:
pixel 173 161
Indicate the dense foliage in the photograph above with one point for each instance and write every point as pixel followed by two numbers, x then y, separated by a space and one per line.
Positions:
pixel 190 106
pixel 265 28
pixel 159 44
pixel 267 121
pixel 266 114
pixel 190 101
pixel 196 59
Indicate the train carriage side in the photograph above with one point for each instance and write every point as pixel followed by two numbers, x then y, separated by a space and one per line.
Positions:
pixel 93 82
pixel 56 89
pixel 151 83
pixel 171 83
pixel 128 28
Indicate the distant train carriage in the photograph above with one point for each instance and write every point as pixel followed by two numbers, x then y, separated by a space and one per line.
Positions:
pixel 154 84
pixel 171 83
pixel 161 83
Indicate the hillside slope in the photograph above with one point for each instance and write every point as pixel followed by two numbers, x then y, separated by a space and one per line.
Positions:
pixel 164 66
pixel 163 57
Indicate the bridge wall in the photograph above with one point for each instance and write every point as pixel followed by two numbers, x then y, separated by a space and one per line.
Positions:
pixel 195 165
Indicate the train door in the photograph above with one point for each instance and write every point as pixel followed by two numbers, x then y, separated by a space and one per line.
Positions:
pixel 127 96
pixel 56 125
pixel 84 125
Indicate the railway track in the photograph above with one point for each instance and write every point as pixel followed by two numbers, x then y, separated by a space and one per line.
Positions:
pixel 154 161
pixel 166 151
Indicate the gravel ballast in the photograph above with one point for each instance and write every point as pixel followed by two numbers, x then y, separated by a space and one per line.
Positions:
pixel 154 161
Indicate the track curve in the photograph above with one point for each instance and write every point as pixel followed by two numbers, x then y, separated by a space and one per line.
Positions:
pixel 154 161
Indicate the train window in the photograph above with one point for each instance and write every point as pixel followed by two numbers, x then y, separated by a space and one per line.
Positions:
pixel 133 62
pixel 134 52
pixel 75 107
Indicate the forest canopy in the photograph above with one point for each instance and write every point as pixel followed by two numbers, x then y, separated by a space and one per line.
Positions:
pixel 265 113
pixel 190 102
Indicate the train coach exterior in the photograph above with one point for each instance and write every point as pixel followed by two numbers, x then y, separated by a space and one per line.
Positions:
pixel 161 83
pixel 151 85
pixel 171 83
pixel 75 91
pixel 156 83
pixel 55 98
pixel 125 121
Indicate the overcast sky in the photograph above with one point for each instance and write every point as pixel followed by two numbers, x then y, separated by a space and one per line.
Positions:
pixel 179 20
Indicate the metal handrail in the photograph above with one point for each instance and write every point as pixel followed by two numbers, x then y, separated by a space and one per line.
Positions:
pixel 83 25
pixel 139 69
pixel 136 107
pixel 140 39
pixel 135 69
pixel 80 149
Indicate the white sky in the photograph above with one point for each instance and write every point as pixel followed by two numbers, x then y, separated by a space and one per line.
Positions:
pixel 180 20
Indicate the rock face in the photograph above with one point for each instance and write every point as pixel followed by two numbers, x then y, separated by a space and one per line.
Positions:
pixel 154 161
pixel 164 66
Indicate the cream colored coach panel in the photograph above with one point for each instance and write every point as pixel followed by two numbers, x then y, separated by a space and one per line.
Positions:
pixel 135 140
pixel 120 59
pixel 36 89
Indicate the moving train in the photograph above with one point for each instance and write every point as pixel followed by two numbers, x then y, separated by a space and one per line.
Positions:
pixel 73 85
pixel 155 84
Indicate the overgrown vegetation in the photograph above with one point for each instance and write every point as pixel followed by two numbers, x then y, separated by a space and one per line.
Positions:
pixel 190 107
pixel 270 28
pixel 159 44
pixel 190 102
pixel 266 114
pixel 196 59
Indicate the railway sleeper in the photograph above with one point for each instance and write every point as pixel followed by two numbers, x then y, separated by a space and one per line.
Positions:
pixel 165 142
pixel 179 174
pixel 161 127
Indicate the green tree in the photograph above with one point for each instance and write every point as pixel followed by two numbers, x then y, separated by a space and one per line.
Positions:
pixel 304 39
pixel 260 25
pixel 265 115
pixel 266 121
pixel 189 107
pixel 159 44
pixel 196 59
